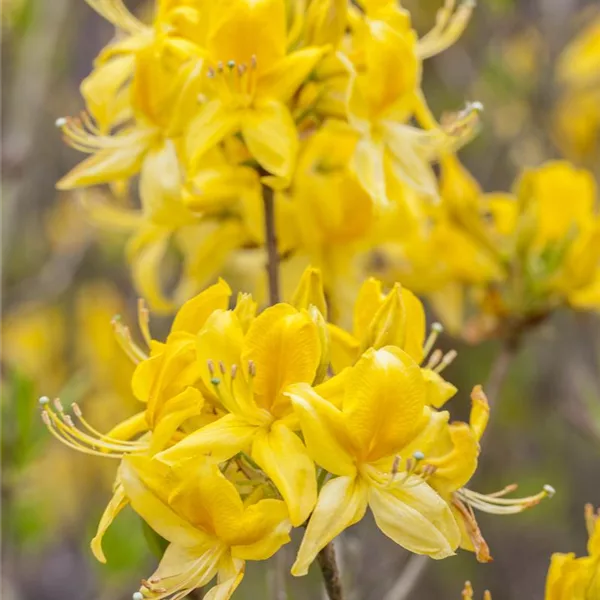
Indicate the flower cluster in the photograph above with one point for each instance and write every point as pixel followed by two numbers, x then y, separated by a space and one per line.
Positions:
pixel 496 263
pixel 249 429
pixel 321 101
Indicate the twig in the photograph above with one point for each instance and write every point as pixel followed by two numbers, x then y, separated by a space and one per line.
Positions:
pixel 499 370
pixel 271 245
pixel 415 567
pixel 331 573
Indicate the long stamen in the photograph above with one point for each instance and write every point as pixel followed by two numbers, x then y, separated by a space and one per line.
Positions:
pixel 436 329
pixel 62 427
pixel 496 504
pixel 77 412
pixel 123 335
pixel 447 359
pixel 144 321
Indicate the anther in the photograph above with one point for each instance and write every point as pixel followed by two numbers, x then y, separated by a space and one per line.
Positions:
pixel 211 366
pixel 434 359
pixel 137 596
pixel 251 368
pixel 241 69
pixel 253 61
pixel 233 371
pixel 58 406
pixel 210 73
pixel 549 490
pixel 44 400
pixel 220 66
pixel 395 465
pixel 222 367
pixel 446 360
pixel 60 122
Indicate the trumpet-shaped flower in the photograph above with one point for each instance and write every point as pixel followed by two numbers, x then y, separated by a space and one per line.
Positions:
pixel 351 429
pixel 248 372
pixel 250 77
pixel 211 530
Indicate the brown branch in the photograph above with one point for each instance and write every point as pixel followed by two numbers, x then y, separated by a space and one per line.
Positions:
pixel 271 245
pixel 331 574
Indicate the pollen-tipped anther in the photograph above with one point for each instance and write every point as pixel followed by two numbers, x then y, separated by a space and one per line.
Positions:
pixel 60 122
pixel 44 400
pixel 418 455
pixel 234 369
pixel 549 490
pixel 137 596
pixel 211 366
pixel 222 367
pixel 251 368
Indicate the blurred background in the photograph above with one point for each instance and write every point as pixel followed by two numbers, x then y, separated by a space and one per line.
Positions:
pixel 64 279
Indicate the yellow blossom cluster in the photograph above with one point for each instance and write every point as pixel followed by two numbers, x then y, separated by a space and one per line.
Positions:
pixel 570 578
pixel 498 263
pixel 188 116
pixel 248 430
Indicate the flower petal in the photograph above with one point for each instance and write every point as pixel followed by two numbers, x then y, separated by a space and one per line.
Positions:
pixel 342 503
pixel 194 313
pixel 325 433
pixel 284 345
pixel 384 401
pixel 284 458
pixel 270 134
pixel 154 510
pixel 114 507
pixel 416 517
pixel 212 123
pixel 220 440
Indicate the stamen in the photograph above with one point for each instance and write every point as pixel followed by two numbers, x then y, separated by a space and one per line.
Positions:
pixel 60 122
pixel 144 321
pixel 222 368
pixel 251 368
pixel 434 359
pixel 446 360
pixel 137 596
pixel 436 329
pixel 497 504
pixel 123 335
pixel 233 371
pixel 211 367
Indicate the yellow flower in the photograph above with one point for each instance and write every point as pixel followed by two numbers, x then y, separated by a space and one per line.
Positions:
pixel 351 424
pixel 166 382
pixel 211 531
pixel 448 459
pixel 248 368
pixel 384 93
pixel 571 578
pixel 396 318
pixel 250 78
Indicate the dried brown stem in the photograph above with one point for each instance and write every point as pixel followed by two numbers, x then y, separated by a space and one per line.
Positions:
pixel 331 572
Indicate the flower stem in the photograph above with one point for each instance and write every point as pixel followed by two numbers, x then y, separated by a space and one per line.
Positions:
pixel 271 245
pixel 331 572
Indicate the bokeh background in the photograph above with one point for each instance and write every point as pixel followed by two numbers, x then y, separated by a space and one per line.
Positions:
pixel 64 279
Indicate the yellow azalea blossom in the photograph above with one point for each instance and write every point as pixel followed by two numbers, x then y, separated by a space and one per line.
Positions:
pixel 380 319
pixel 167 382
pixel 211 531
pixel 571 578
pixel 448 456
pixel 380 409
pixel 248 369
pixel 249 79
pixel 391 153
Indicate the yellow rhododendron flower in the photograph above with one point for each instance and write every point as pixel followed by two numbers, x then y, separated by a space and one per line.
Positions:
pixel 349 429
pixel 577 578
pixel 211 530
pixel 238 366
